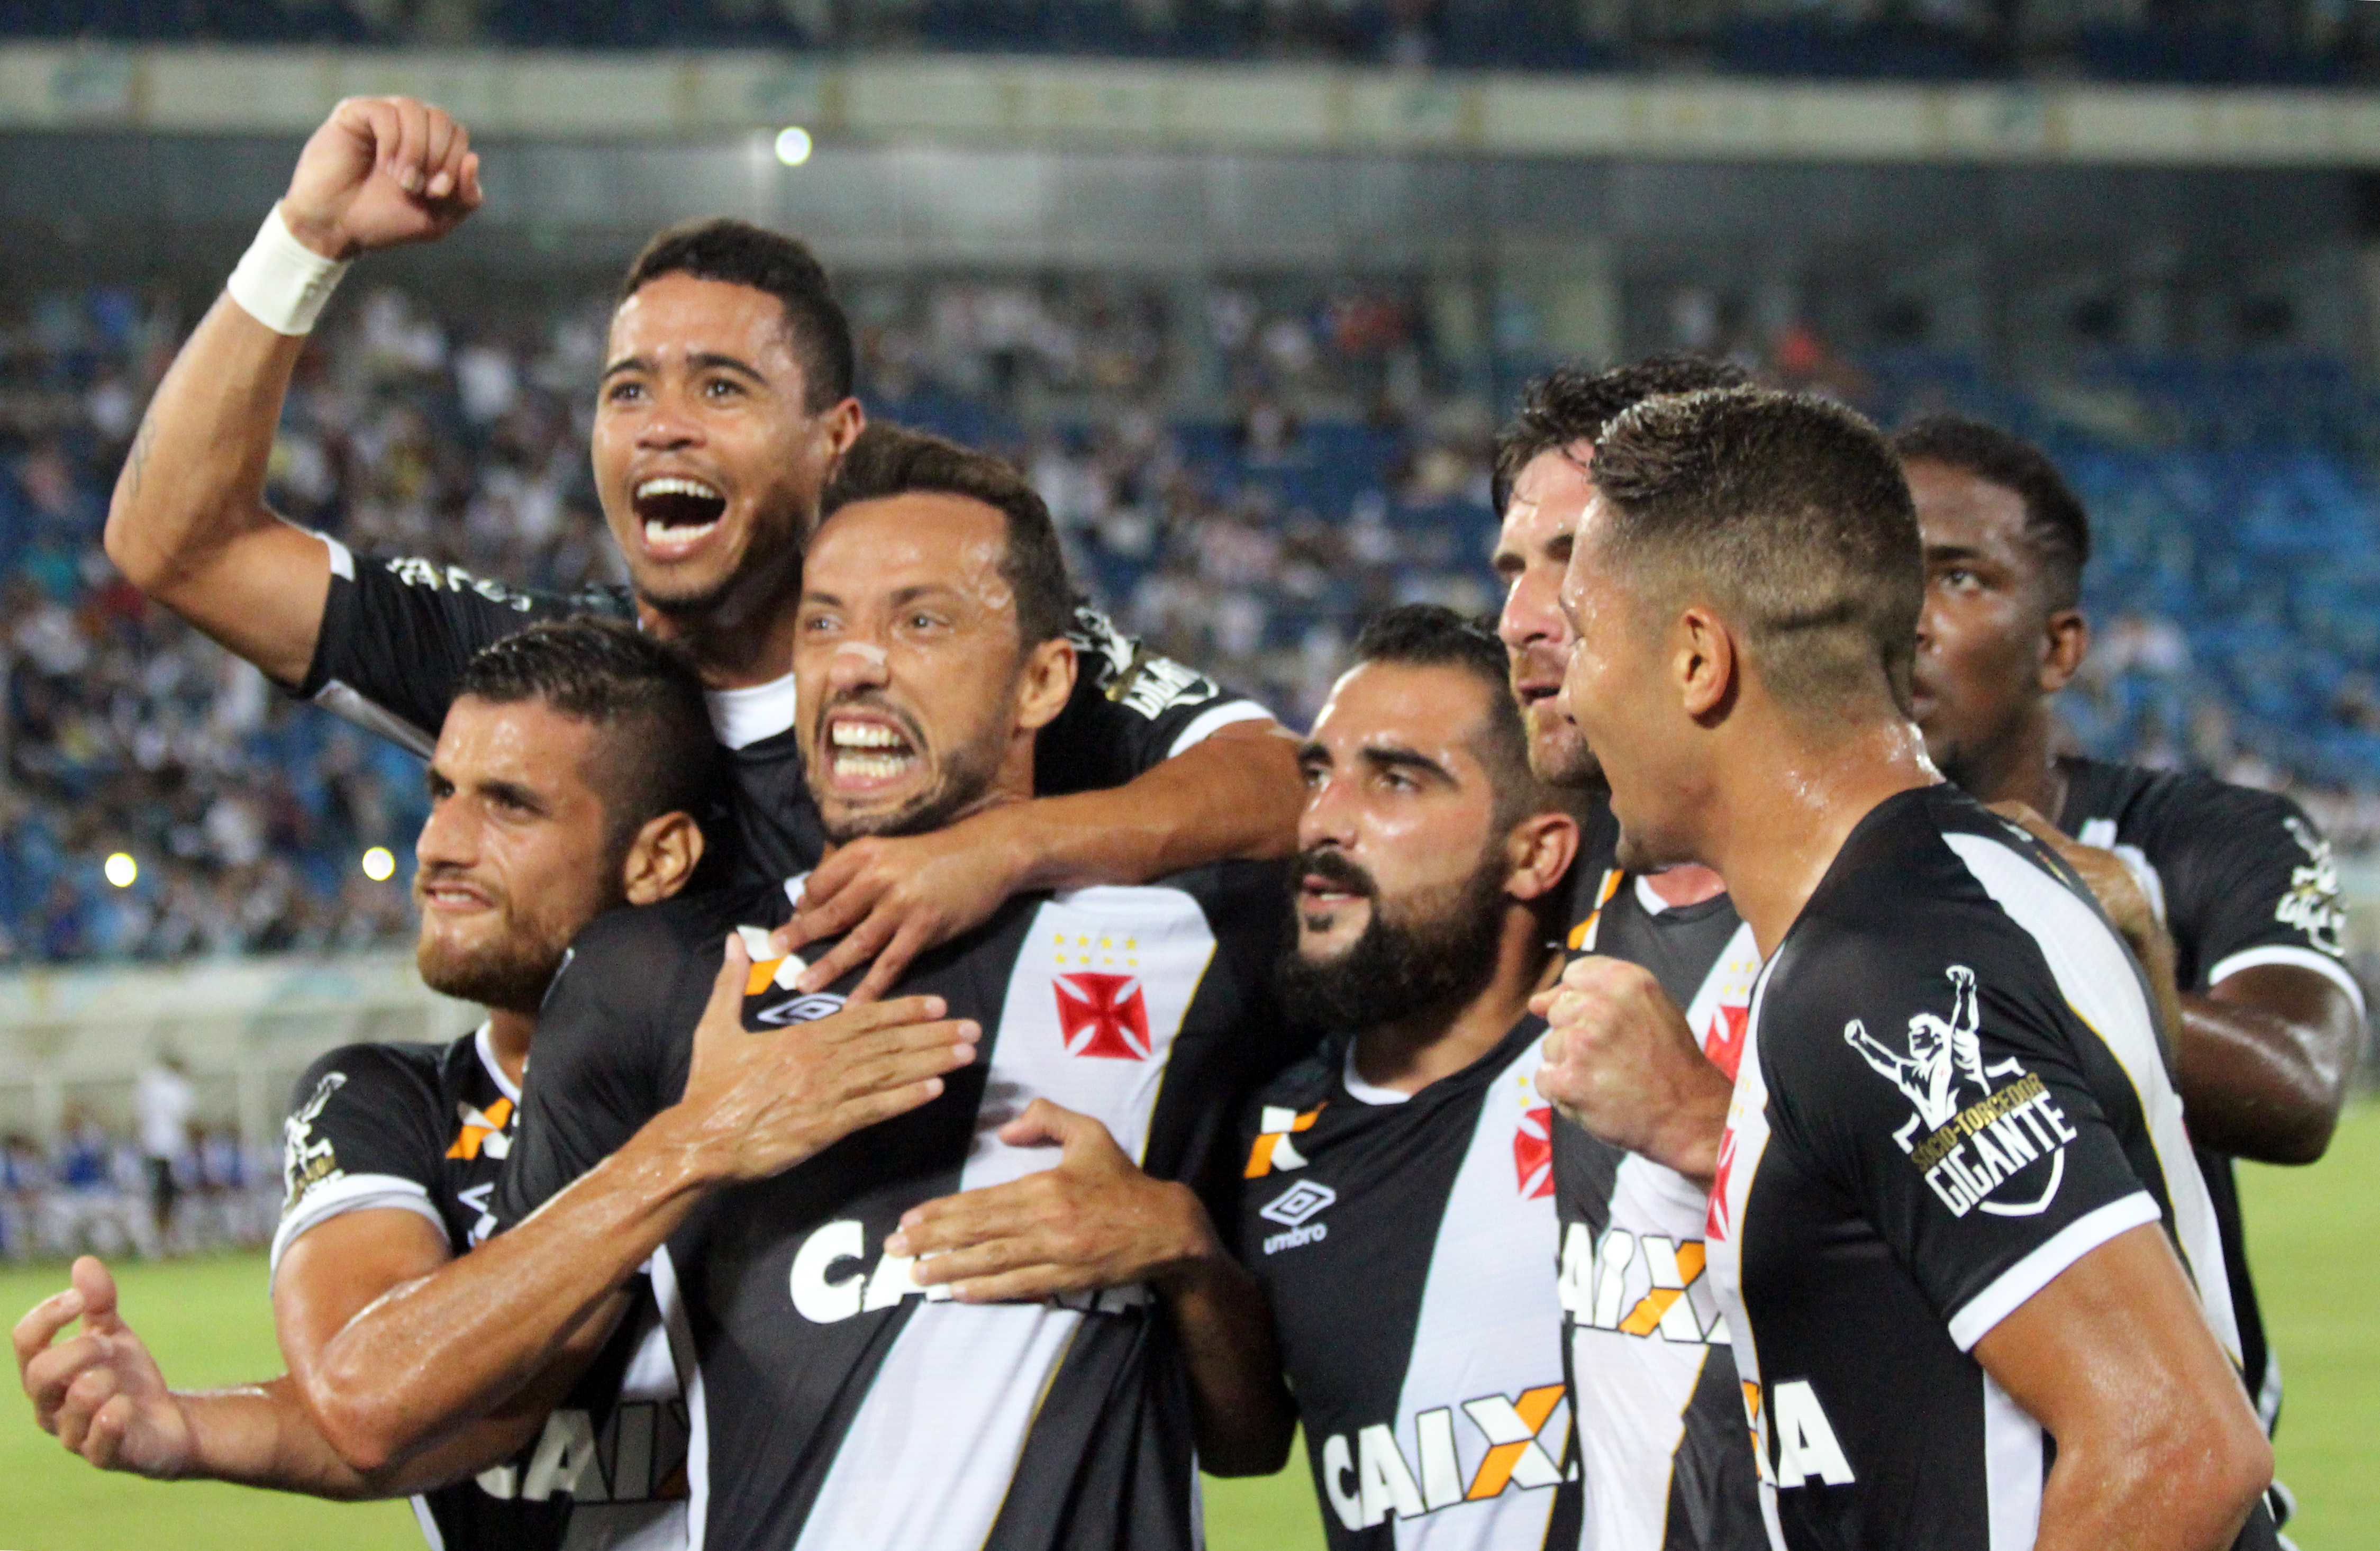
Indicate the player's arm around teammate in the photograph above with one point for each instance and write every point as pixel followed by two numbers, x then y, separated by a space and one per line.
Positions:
pixel 189 527
pixel 385 1405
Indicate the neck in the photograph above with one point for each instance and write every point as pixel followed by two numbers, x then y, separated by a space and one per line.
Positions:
pixel 1680 887
pixel 1409 1054
pixel 508 1036
pixel 2019 768
pixel 734 646
pixel 1781 809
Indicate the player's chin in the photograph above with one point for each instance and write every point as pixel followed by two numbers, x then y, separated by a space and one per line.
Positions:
pixel 1558 751
pixel 1326 932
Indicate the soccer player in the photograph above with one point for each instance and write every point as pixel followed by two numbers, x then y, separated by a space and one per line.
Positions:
pixel 1653 1388
pixel 565 780
pixel 724 403
pixel 1954 1219
pixel 1398 1200
pixel 2271 1017
pixel 838 1402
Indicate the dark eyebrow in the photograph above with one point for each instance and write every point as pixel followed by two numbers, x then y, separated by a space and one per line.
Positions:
pixel 513 793
pixel 1312 753
pixel 700 360
pixel 1398 758
pixel 706 358
pixel 1938 554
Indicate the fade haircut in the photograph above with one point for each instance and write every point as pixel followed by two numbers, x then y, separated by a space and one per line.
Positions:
pixel 738 253
pixel 657 753
pixel 889 460
pixel 1432 636
pixel 1789 514
pixel 1569 404
pixel 2057 527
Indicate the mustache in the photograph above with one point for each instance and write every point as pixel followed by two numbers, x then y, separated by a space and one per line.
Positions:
pixel 1327 863
pixel 427 874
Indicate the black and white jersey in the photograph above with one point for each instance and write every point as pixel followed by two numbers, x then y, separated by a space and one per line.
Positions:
pixel 2240 878
pixel 1404 1243
pixel 1954 1088
pixel 425 1128
pixel 836 1402
pixel 1665 1462
pixel 396 635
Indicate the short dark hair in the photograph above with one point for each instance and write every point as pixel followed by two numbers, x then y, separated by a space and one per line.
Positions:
pixel 659 755
pixel 1432 636
pixel 1571 405
pixel 888 460
pixel 2055 524
pixel 1787 510
pixel 738 253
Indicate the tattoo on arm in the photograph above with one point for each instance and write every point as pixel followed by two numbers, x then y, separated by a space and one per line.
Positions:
pixel 137 462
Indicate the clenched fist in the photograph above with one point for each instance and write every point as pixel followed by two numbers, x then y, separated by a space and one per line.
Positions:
pixel 380 172
pixel 1620 1062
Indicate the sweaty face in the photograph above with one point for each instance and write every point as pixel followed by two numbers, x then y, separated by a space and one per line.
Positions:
pixel 907 663
pixel 516 857
pixel 1616 689
pixel 1532 552
pixel 1981 637
pixel 707 461
pixel 1400 871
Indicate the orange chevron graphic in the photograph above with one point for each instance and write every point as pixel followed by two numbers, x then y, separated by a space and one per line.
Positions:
pixel 466 1144
pixel 1496 1469
pixel 1260 1155
pixel 1645 1317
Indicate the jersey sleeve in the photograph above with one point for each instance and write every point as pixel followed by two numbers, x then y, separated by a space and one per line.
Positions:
pixel 1946 1096
pixel 1131 709
pixel 364 1130
pixel 397 633
pixel 605 1060
pixel 2247 881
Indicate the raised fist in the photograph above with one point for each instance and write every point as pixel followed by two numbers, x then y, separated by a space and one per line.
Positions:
pixel 380 172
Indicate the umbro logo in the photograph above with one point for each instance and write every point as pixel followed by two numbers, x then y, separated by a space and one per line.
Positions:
pixel 802 1010
pixel 1299 1202
pixel 1291 1208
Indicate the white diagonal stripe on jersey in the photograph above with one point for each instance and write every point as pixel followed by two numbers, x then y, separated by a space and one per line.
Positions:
pixel 2013 1471
pixel 927 1462
pixel 1740 1154
pixel 1633 1390
pixel 2101 985
pixel 1488 1328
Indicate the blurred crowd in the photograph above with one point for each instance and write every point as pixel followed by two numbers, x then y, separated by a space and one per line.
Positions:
pixel 1243 469
pixel 91 1195
pixel 2223 41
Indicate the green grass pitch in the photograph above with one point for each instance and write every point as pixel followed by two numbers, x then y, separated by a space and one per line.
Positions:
pixel 2314 1233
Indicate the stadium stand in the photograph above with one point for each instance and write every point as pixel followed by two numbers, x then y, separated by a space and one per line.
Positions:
pixel 2237 582
pixel 2197 41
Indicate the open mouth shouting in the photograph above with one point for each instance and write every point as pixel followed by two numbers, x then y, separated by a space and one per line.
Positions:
pixel 675 513
pixel 868 750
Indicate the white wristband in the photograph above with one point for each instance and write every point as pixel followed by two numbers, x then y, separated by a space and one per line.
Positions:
pixel 282 282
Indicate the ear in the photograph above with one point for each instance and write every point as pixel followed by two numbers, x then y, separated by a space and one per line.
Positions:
pixel 1046 685
pixel 661 858
pixel 844 424
pixel 1704 662
pixel 2067 642
pixel 1540 848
